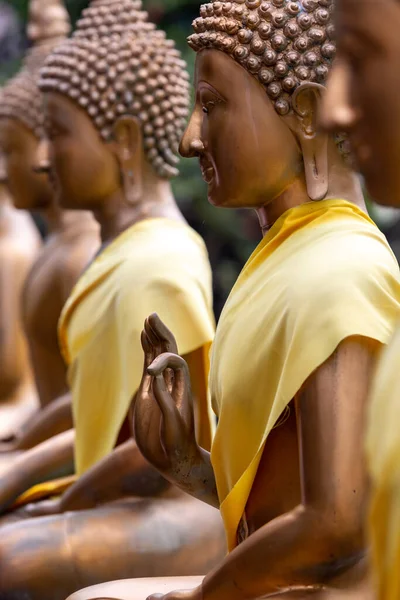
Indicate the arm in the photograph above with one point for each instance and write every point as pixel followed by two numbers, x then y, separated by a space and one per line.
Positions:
pixel 163 417
pixel 13 353
pixel 325 533
pixel 49 460
pixel 123 473
pixel 55 418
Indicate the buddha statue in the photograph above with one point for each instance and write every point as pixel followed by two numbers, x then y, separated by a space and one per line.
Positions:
pixel 72 237
pixel 366 108
pixel 19 245
pixel 300 334
pixel 116 96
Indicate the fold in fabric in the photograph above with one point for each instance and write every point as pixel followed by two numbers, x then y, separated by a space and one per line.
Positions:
pixel 322 273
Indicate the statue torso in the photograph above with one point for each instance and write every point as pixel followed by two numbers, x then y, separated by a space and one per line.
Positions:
pixel 19 245
pixel 63 258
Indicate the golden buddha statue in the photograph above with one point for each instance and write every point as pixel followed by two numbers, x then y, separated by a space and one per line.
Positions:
pixel 116 96
pixel 366 108
pixel 72 236
pixel 300 334
pixel 19 245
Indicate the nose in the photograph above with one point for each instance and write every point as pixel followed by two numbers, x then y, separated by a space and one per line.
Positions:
pixel 191 144
pixel 337 112
pixel 42 159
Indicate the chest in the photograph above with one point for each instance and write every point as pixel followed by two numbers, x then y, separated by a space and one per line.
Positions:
pixel 249 337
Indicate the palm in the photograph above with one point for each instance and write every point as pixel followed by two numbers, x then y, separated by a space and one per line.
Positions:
pixel 163 414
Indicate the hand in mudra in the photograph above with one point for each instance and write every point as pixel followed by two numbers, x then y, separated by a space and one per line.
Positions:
pixel 163 411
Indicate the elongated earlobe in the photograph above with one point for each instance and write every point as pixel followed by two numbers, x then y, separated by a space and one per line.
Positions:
pixel 306 101
pixel 128 148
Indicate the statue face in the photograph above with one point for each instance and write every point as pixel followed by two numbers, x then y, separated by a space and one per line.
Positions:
pixel 83 168
pixel 28 183
pixel 247 153
pixel 363 91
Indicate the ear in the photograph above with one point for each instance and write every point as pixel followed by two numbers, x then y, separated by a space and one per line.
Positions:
pixel 128 147
pixel 306 101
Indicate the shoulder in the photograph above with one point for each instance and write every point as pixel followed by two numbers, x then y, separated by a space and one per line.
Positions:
pixel 359 258
pixel 166 254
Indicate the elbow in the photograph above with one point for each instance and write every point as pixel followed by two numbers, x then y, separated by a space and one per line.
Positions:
pixel 339 541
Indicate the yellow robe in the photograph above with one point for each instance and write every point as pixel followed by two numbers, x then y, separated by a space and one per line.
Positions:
pixel 157 265
pixel 322 273
pixel 383 453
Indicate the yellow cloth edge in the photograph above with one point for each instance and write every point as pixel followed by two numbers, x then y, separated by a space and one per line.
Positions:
pixel 41 491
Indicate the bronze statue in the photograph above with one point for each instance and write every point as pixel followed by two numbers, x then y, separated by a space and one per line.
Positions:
pixel 300 334
pixel 361 100
pixel 72 237
pixel 116 97
pixel 19 245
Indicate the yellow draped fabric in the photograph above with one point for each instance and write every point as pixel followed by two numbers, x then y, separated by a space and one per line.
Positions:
pixel 322 273
pixel 383 452
pixel 157 265
pixel 45 490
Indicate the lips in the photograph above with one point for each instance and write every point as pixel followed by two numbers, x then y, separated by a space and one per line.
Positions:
pixel 207 170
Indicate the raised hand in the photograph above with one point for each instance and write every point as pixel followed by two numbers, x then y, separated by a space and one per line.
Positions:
pixel 163 416
pixel 163 411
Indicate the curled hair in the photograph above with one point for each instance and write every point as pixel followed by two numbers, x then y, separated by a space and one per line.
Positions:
pixel 21 98
pixel 282 43
pixel 118 64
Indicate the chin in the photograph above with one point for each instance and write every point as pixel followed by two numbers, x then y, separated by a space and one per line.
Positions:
pixel 219 199
pixel 30 206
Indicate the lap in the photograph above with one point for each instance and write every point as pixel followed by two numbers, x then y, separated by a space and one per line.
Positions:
pixel 51 557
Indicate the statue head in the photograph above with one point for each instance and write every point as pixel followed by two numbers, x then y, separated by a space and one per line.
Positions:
pixel 116 97
pixel 362 91
pixel 21 110
pixel 260 71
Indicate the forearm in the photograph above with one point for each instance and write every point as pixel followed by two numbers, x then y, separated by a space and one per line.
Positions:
pixel 52 420
pixel 298 549
pixel 48 460
pixel 121 474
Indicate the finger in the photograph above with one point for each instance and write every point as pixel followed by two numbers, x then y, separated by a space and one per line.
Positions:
pixel 182 395
pixel 148 349
pixel 171 417
pixel 163 333
pixel 145 383
pixel 153 337
pixel 155 597
pixel 168 360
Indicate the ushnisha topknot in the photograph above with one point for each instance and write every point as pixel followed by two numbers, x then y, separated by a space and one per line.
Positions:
pixel 21 98
pixel 283 43
pixel 117 63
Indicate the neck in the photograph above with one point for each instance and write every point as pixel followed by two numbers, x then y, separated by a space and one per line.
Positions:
pixel 116 215
pixel 342 183
pixel 294 195
pixel 59 220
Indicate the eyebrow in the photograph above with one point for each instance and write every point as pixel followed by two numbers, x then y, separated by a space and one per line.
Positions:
pixel 204 84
